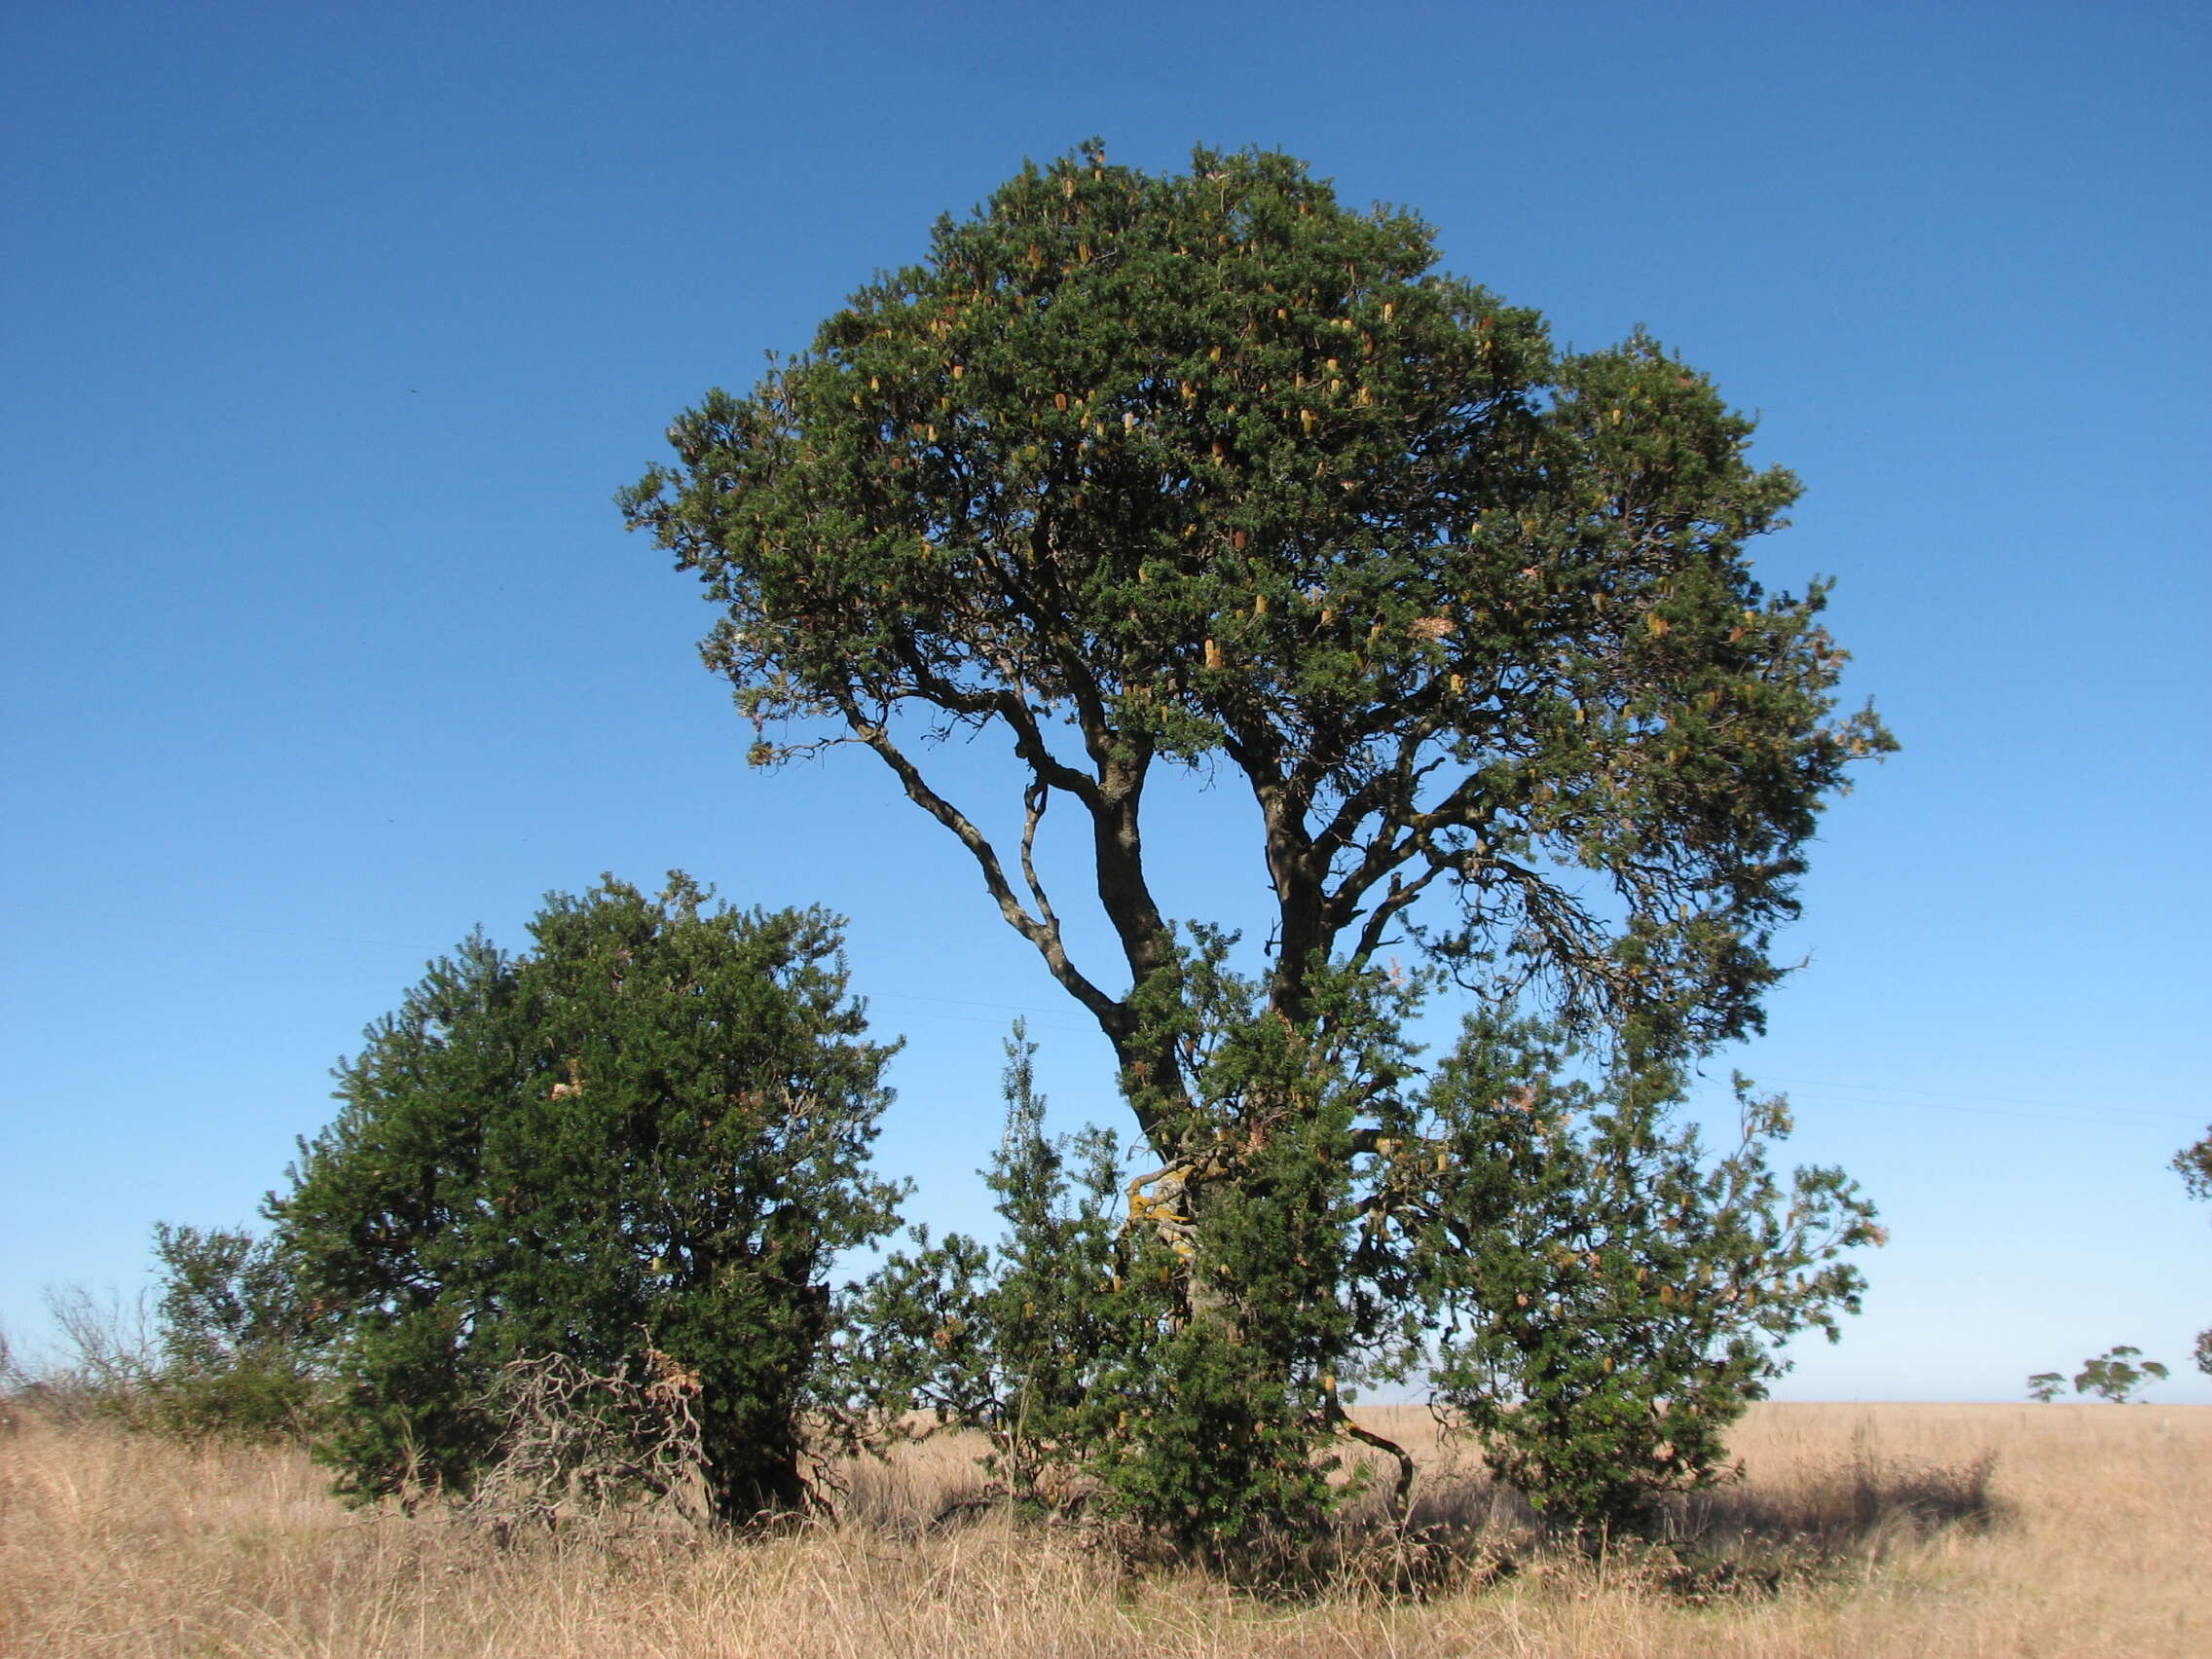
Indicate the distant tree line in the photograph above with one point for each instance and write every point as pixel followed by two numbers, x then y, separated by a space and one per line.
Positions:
pixel 2120 1374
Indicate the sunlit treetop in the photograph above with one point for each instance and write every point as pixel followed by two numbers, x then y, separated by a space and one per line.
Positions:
pixel 1211 468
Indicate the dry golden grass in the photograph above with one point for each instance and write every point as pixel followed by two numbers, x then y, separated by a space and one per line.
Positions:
pixel 1861 1531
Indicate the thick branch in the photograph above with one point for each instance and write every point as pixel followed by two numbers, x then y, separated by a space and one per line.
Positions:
pixel 1395 785
pixel 1401 1495
pixel 1400 896
pixel 1034 799
pixel 1042 932
pixel 1387 850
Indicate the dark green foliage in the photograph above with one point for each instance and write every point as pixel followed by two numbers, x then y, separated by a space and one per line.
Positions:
pixel 1209 472
pixel 2115 1375
pixel 1018 1341
pixel 1606 1296
pixel 647 1134
pixel 1590 1292
pixel 1247 1237
pixel 2046 1386
pixel 1198 1405
pixel 237 1344
pixel 1209 469
pixel 1166 1348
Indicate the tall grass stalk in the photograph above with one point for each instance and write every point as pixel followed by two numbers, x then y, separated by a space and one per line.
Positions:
pixel 1865 1530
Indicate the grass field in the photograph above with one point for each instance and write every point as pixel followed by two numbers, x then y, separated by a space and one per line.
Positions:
pixel 2065 1532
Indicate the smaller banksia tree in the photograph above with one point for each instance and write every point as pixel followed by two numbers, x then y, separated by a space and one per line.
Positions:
pixel 1014 1340
pixel 1248 1234
pixel 1606 1296
pixel 643 1141
pixel 1167 1347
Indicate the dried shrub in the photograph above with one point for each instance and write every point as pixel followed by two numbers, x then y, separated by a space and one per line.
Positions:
pixel 575 1445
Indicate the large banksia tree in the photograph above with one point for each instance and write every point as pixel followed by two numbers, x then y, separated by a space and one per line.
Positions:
pixel 1209 471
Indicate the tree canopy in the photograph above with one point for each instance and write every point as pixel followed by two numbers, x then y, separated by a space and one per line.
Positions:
pixel 1210 468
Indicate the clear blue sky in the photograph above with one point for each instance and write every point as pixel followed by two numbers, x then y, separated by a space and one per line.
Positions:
pixel 331 330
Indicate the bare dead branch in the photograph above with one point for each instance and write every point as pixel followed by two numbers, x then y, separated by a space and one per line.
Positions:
pixel 583 1445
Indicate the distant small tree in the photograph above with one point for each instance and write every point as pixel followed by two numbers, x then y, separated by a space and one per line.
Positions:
pixel 2195 1164
pixel 2115 1375
pixel 641 1143
pixel 2046 1386
pixel 236 1339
